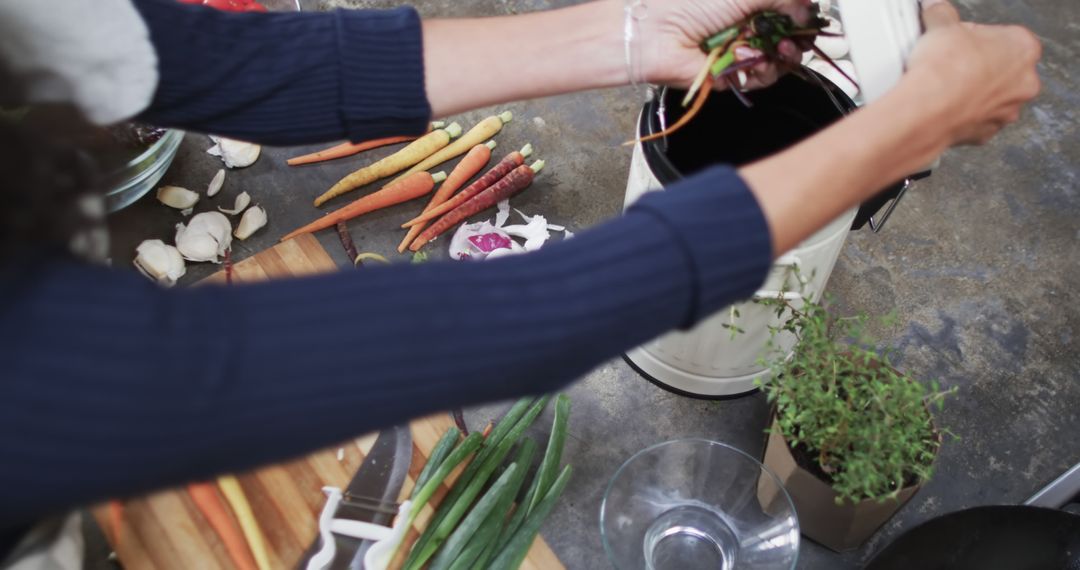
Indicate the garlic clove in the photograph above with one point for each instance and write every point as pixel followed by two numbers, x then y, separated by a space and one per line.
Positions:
pixel 215 183
pixel 242 202
pixel 160 262
pixel 252 220
pixel 205 238
pixel 234 153
pixel 177 197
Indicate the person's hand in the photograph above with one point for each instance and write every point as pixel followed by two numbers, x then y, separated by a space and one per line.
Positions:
pixel 981 75
pixel 672 31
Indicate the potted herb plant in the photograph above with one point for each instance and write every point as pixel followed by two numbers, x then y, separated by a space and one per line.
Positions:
pixel 851 438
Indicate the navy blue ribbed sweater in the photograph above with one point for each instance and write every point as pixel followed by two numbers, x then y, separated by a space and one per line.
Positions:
pixel 111 386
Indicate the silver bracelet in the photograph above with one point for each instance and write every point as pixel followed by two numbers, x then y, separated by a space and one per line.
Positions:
pixel 635 11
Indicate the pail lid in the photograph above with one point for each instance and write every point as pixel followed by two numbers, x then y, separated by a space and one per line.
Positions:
pixel 882 34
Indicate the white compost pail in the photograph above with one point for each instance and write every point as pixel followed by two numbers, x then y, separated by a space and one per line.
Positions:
pixel 709 361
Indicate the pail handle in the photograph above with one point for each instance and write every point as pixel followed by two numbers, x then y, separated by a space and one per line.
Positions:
pixel 786 260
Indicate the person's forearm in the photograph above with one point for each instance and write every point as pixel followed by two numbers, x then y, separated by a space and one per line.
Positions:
pixel 286 78
pixel 159 387
pixel 803 188
pixel 476 62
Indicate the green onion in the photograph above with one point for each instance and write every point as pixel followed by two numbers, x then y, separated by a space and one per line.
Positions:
pixel 439 454
pixel 516 520
pixel 455 510
pixel 550 464
pixel 515 551
pixel 460 453
pixel 507 423
pixel 484 507
pixel 485 537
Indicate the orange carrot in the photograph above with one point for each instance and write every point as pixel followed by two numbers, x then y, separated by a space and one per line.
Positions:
pixel 205 496
pixel 699 102
pixel 504 189
pixel 497 172
pixel 475 160
pixel 116 522
pixel 345 149
pixel 413 186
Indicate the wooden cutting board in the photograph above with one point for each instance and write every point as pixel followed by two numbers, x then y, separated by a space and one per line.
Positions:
pixel 166 531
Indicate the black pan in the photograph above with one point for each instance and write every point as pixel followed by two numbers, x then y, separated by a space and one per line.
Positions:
pixel 988 538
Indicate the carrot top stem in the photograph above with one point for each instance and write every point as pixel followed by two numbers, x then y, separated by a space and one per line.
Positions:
pixel 702 75
pixel 725 60
pixel 721 40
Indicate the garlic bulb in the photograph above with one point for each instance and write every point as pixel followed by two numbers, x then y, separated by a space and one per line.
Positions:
pixel 205 238
pixel 235 154
pixel 159 262
pixel 242 201
pixel 215 183
pixel 252 220
pixel 177 197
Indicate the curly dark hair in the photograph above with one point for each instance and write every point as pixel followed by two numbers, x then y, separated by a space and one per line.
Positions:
pixel 43 175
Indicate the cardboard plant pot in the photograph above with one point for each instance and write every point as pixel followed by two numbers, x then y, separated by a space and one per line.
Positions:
pixel 837 526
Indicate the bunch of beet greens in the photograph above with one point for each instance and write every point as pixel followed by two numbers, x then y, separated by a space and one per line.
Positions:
pixel 763 32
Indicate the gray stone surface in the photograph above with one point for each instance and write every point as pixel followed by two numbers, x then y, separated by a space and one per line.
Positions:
pixel 979 264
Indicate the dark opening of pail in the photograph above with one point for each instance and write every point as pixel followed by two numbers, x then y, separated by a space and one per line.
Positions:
pixel 728 132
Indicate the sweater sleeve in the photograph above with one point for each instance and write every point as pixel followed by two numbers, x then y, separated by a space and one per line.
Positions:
pixel 287 78
pixel 113 386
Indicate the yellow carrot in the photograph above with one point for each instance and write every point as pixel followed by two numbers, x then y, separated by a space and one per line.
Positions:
pixel 483 131
pixel 417 151
pixel 234 494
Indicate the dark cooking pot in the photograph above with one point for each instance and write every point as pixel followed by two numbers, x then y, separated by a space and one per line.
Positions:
pixel 988 538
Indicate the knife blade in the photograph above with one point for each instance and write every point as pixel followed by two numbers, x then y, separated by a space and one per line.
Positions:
pixel 379 479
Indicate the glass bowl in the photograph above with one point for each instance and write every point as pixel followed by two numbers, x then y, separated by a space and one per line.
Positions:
pixel 695 503
pixel 140 174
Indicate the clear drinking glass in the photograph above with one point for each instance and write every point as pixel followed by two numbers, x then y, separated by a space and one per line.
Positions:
pixel 697 504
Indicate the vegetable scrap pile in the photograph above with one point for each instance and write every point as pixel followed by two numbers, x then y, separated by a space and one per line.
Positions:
pixel 487 240
pixel 489 518
pixel 455 200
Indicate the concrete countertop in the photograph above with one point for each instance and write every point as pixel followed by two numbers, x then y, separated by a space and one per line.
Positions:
pixel 979 263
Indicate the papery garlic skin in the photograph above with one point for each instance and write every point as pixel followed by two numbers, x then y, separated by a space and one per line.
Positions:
pixel 234 153
pixel 160 262
pixel 243 200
